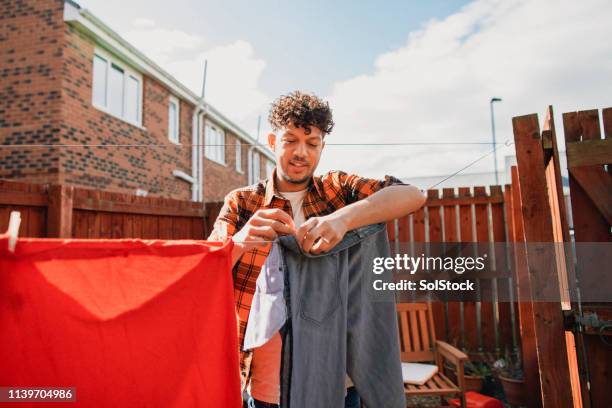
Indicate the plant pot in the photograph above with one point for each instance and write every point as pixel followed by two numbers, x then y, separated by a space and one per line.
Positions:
pixel 514 390
pixel 473 382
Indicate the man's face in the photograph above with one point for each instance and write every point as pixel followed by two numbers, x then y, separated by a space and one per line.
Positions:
pixel 297 153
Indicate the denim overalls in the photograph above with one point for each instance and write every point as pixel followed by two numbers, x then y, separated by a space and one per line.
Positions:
pixel 336 326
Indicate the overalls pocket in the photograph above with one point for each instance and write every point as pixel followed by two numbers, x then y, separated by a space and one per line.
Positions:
pixel 320 289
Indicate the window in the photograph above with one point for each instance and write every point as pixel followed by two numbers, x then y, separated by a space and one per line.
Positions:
pixel 173 120
pixel 132 88
pixel 256 167
pixel 269 168
pixel 99 80
pixel 116 89
pixel 214 140
pixel 239 155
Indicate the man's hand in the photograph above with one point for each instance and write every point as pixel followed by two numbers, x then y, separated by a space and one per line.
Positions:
pixel 320 234
pixel 265 225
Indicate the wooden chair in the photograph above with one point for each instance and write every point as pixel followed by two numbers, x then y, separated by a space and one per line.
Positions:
pixel 418 344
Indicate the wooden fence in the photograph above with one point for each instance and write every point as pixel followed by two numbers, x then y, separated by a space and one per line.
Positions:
pixel 65 212
pixel 565 357
pixel 467 215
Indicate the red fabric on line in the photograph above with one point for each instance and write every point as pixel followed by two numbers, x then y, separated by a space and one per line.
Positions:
pixel 129 323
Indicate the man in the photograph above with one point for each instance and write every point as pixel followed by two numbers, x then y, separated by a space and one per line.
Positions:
pixel 318 210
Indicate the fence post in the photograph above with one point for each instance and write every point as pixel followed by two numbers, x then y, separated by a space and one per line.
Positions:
pixel 550 334
pixel 59 211
pixel 525 305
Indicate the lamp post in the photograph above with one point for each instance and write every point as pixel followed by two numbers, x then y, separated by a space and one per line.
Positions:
pixel 493 100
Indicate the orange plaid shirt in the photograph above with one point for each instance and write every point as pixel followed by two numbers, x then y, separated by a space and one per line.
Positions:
pixel 325 194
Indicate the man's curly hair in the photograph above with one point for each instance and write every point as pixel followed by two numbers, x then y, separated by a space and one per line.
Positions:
pixel 303 110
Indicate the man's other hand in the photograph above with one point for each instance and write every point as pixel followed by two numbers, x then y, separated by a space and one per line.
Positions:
pixel 320 234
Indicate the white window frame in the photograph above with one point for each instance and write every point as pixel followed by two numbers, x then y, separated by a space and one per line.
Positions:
pixel 214 143
pixel 174 138
pixel 127 72
pixel 239 156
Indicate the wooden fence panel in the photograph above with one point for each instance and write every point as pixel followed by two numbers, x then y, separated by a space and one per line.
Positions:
pixel 463 217
pixel 591 198
pixel 453 311
pixel 511 282
pixel 61 211
pixel 502 334
pixel 434 235
pixel 469 339
pixel 212 209
pixel 484 310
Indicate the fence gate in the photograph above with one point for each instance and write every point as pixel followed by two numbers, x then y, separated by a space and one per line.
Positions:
pixel 588 155
pixel 573 351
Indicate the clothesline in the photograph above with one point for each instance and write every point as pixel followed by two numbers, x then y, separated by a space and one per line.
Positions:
pixel 506 143
pixel 152 145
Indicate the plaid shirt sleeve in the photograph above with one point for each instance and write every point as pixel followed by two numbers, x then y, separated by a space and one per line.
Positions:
pixel 356 188
pixel 226 223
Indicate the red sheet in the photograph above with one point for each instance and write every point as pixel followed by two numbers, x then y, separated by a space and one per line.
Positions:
pixel 129 323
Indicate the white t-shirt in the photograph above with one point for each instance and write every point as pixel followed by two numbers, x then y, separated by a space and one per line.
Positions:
pixel 296 198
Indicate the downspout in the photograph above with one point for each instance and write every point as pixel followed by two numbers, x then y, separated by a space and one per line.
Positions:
pixel 250 165
pixel 195 126
pixel 203 107
pixel 197 143
pixel 201 150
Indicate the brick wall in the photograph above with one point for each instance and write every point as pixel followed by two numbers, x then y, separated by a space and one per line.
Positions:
pixel 31 39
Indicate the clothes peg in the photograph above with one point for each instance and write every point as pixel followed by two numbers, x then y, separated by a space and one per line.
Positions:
pixel 13 229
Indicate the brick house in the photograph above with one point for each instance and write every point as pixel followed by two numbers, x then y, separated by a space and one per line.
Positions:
pixel 67 79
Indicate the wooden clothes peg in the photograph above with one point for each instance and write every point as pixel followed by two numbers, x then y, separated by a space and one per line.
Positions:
pixel 13 229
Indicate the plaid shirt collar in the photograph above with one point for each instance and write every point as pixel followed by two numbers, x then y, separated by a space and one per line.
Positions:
pixel 271 190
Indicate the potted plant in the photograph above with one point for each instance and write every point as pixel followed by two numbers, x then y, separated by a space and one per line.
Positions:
pixel 510 374
pixel 475 374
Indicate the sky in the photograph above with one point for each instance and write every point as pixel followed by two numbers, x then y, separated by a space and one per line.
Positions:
pixel 393 71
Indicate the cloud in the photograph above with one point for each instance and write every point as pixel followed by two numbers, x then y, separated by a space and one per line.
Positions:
pixel 161 43
pixel 233 79
pixel 233 72
pixel 437 86
pixel 142 22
